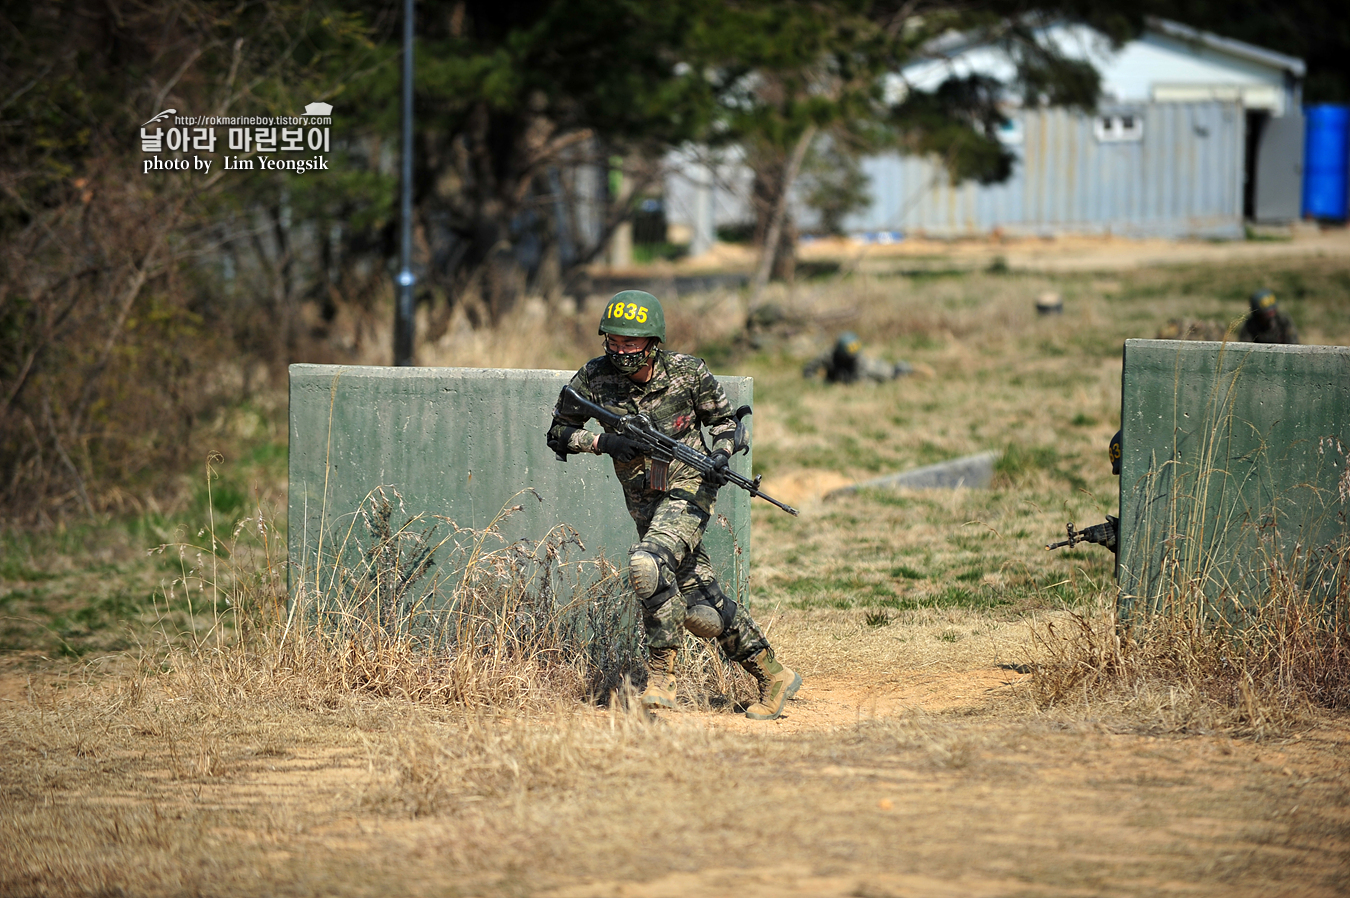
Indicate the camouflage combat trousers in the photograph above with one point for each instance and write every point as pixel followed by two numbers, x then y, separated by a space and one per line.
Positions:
pixel 672 525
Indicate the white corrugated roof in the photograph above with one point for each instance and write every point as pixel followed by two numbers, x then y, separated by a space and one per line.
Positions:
pixel 1228 45
pixel 1166 56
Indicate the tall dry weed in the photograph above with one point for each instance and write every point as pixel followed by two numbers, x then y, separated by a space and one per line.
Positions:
pixel 423 610
pixel 1257 673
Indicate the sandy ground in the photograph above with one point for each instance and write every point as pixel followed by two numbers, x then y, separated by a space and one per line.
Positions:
pixel 924 774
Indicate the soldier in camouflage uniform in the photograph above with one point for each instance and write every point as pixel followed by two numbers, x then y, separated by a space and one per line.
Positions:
pixel 845 364
pixel 1107 534
pixel 1266 323
pixel 671 504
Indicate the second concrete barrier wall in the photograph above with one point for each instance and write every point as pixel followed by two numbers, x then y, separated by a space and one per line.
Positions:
pixel 1233 473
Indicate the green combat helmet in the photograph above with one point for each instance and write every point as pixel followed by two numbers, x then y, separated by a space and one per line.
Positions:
pixel 634 313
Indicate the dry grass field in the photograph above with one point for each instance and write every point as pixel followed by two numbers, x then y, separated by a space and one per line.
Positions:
pixel 969 724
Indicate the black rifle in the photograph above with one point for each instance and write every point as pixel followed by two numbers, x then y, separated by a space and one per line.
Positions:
pixel 661 448
pixel 1104 534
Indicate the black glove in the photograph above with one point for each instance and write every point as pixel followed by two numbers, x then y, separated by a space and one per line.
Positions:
pixel 619 447
pixel 720 473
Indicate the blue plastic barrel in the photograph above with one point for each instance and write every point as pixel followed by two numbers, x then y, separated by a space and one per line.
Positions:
pixel 1326 162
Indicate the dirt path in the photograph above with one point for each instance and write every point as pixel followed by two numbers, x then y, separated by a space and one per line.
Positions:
pixel 951 794
pixel 828 706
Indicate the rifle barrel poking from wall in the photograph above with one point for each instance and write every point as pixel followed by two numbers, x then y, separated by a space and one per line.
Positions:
pixel 1106 534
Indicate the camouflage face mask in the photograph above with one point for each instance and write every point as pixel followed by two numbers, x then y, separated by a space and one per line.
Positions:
pixel 628 362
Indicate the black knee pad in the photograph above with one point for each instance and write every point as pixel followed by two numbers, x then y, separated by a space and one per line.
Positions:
pixel 709 612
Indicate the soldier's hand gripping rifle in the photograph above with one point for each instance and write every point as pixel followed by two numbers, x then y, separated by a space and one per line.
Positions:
pixel 1104 534
pixel 661 448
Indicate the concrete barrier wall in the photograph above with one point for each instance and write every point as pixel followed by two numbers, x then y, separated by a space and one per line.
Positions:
pixel 463 443
pixel 1233 470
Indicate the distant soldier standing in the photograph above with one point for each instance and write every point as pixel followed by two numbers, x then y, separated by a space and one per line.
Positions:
pixel 846 364
pixel 1266 323
pixel 671 503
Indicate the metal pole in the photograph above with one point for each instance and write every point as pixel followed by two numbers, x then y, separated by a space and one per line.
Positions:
pixel 705 233
pixel 404 327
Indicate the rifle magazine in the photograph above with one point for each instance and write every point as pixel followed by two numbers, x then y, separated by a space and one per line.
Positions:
pixel 658 475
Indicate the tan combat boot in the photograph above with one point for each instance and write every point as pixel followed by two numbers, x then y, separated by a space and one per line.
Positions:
pixel 660 691
pixel 777 684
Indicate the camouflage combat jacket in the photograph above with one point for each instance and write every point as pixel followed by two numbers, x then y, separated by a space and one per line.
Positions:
pixel 1279 329
pixel 681 395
